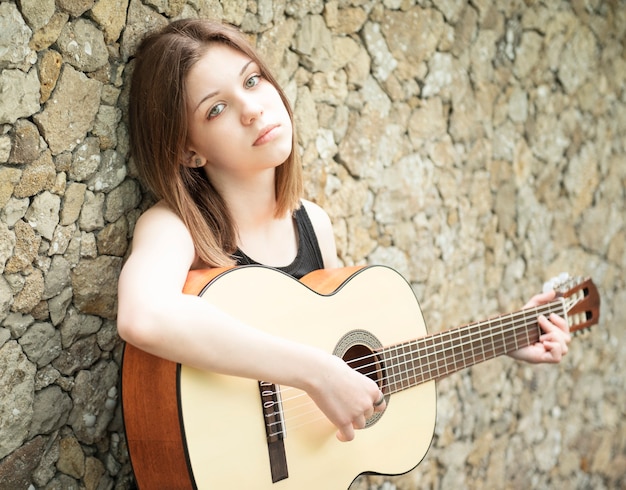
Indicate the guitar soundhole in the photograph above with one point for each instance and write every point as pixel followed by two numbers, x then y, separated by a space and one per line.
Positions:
pixel 358 349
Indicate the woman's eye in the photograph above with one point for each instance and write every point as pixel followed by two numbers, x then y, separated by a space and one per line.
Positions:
pixel 216 110
pixel 253 81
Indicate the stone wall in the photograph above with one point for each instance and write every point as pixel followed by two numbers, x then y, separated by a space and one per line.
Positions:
pixel 477 147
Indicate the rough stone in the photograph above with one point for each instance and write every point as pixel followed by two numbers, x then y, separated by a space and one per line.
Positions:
pixel 70 113
pixel 110 15
pixel 72 203
pixel 90 416
pixel 7 244
pixel 37 12
pixel 58 277
pixel 86 160
pixel 19 94
pixel 58 306
pixel 111 172
pixel 50 410
pixel 43 213
pixel 139 20
pixel 36 177
pixel 112 240
pixel 75 7
pixel 26 248
pixel 121 200
pixel 77 325
pixel 81 355
pixel 82 45
pixel 17 468
pixel 49 33
pixel 14 37
pixel 95 286
pixel 91 216
pixel 49 71
pixel 25 142
pixel 71 457
pixel 41 343
pixel 17 380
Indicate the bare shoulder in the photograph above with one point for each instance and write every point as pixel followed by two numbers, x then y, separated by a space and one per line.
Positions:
pixel 160 230
pixel 324 231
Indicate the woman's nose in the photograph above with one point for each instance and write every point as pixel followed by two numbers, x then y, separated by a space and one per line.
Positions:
pixel 251 111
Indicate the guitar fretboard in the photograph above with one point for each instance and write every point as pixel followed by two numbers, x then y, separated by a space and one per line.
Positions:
pixel 435 356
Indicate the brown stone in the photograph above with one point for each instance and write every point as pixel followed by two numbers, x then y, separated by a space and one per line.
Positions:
pixel 49 70
pixel 25 143
pixel 26 247
pixel 17 468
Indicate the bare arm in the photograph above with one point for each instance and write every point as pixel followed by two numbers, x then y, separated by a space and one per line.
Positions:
pixel 157 317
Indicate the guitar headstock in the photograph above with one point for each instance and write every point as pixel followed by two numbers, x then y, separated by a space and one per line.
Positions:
pixel 582 301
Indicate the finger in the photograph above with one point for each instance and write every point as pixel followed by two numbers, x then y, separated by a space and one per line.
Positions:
pixel 560 322
pixel 540 299
pixel 345 433
pixel 359 422
pixel 381 406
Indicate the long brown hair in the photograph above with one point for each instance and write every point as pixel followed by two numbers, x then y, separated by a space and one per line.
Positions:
pixel 158 134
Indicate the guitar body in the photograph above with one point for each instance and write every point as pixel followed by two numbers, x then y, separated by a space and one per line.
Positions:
pixel 193 429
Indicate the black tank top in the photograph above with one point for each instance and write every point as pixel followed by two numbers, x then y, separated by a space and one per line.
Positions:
pixel 309 256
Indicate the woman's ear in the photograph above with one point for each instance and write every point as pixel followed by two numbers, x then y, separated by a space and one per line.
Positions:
pixel 192 160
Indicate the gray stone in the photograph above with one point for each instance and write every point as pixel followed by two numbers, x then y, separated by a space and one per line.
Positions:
pixel 19 94
pixel 82 45
pixel 81 355
pixel 41 343
pixel 77 325
pixel 58 306
pixel 37 12
pixel 7 244
pixel 85 160
pixel 105 126
pixel 89 416
pixel 91 215
pixel 14 38
pixel 111 173
pixel 70 113
pixel 140 19
pixel 121 200
pixel 51 410
pixel 72 203
pixel 43 214
pixel 17 380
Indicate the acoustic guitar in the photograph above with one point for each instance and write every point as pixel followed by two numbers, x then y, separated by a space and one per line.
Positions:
pixel 190 429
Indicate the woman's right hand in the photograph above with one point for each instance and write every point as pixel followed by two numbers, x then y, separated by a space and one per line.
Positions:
pixel 347 397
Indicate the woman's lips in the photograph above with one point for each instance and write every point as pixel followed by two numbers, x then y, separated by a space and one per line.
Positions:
pixel 268 133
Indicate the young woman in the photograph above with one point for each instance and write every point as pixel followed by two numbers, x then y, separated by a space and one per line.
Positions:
pixel 212 137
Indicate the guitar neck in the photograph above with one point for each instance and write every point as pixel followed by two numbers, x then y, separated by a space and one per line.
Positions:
pixel 435 356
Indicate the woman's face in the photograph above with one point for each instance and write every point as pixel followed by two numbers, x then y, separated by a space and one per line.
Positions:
pixel 238 124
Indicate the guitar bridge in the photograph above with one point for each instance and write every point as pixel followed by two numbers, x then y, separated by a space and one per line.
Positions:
pixel 274 430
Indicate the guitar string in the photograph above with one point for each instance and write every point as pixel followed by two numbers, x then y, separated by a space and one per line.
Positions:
pixel 483 333
pixel 508 344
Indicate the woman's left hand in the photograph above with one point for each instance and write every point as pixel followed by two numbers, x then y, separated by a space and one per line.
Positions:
pixel 552 344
